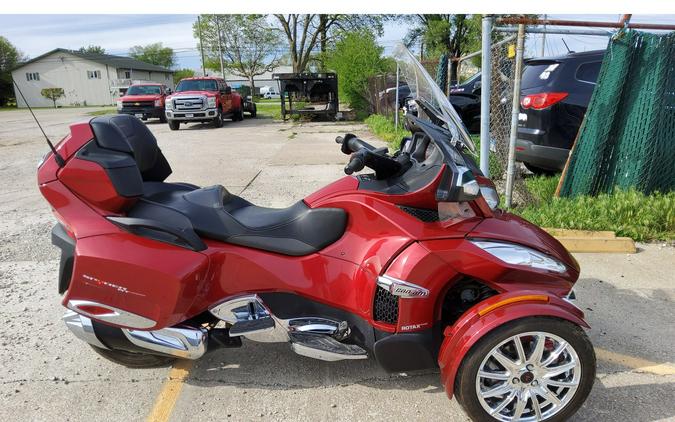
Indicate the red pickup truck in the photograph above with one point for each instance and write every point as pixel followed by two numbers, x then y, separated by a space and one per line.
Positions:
pixel 203 99
pixel 144 101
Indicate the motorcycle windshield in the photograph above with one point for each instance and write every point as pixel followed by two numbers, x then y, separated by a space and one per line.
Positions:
pixel 423 88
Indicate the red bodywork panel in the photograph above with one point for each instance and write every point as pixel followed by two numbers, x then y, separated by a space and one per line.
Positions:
pixel 169 284
pixel 471 327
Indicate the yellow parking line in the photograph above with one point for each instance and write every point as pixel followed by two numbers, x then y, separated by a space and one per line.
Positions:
pixel 637 364
pixel 166 399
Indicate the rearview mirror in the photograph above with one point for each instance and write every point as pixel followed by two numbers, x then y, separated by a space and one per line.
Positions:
pixel 168 91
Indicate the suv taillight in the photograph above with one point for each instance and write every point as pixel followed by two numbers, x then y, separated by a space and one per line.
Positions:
pixel 542 100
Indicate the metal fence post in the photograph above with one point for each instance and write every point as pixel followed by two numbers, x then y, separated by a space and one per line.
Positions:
pixel 486 79
pixel 515 110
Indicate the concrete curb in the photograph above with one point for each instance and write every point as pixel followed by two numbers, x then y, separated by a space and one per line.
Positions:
pixel 593 241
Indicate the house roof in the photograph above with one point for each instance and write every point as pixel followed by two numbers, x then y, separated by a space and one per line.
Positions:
pixel 108 59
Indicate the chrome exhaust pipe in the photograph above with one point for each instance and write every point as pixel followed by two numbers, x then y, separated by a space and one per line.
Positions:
pixel 180 341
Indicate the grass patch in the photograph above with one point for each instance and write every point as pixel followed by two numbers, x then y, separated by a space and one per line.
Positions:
pixel 383 127
pixel 542 188
pixel 627 212
pixel 269 110
pixel 102 112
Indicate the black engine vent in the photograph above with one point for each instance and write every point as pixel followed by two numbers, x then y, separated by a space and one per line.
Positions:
pixel 386 306
pixel 422 214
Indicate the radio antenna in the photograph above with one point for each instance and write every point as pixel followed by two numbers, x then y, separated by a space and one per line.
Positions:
pixel 59 160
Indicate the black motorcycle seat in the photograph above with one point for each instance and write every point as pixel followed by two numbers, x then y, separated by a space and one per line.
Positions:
pixel 215 213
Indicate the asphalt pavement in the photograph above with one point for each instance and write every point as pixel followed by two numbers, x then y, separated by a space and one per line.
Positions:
pixel 49 375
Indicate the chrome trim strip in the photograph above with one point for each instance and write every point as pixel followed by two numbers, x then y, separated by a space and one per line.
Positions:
pixel 115 316
pixel 310 352
pixel 401 288
pixel 182 342
pixel 82 328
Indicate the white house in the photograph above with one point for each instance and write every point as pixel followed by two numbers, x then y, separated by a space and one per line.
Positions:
pixel 87 79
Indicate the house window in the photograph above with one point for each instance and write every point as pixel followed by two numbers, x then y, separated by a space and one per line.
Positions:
pixel 127 74
pixel 93 74
pixel 32 76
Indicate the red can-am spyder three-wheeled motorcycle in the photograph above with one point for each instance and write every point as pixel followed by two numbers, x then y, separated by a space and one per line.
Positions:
pixel 411 264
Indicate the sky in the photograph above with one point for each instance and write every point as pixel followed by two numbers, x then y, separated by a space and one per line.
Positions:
pixel 37 34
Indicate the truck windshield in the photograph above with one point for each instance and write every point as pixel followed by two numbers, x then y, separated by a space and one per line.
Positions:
pixel 144 90
pixel 197 85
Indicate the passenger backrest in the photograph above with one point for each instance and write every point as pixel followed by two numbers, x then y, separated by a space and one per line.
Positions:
pixel 127 134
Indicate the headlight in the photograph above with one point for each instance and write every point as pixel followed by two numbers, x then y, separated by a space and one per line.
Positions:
pixel 158 103
pixel 520 255
pixel 119 104
pixel 168 104
pixel 211 102
pixel 491 196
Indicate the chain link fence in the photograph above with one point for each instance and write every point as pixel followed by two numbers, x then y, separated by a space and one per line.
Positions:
pixel 501 101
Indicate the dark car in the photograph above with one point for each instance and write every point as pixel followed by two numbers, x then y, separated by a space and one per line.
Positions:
pixel 468 108
pixel 470 86
pixel 554 96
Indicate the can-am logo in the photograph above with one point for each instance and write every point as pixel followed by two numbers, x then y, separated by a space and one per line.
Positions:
pixel 401 288
pixel 406 291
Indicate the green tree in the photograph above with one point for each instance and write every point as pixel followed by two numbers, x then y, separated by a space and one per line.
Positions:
pixel 246 45
pixel 92 49
pixel 355 57
pixel 304 32
pixel 182 74
pixel 454 35
pixel 9 58
pixel 53 94
pixel 154 54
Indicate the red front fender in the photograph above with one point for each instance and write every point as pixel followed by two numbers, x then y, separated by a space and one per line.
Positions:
pixel 491 313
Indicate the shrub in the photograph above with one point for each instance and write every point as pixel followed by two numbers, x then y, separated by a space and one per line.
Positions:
pixel 355 57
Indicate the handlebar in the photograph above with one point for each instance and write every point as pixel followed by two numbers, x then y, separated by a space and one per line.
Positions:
pixel 356 163
pixel 351 144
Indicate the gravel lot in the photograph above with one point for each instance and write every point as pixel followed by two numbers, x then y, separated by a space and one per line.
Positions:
pixel 49 375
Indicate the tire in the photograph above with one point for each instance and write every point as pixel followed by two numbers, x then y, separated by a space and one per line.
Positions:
pixel 254 112
pixel 539 171
pixel 467 382
pixel 134 360
pixel 162 118
pixel 239 115
pixel 174 124
pixel 218 120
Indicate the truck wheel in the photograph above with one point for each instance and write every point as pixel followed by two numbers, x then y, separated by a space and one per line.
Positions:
pixel 174 124
pixel 162 118
pixel 134 360
pixel 535 368
pixel 254 112
pixel 218 120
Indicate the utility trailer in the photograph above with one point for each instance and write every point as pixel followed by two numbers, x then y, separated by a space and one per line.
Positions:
pixel 308 94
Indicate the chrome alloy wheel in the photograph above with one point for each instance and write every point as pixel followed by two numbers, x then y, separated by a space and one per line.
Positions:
pixel 528 377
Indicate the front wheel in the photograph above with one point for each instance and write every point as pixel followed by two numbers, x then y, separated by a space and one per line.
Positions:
pixel 134 360
pixel 254 111
pixel 534 369
pixel 174 124
pixel 218 120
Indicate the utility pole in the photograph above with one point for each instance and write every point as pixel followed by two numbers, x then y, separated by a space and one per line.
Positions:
pixel 515 110
pixel 486 80
pixel 543 38
pixel 201 44
pixel 220 47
